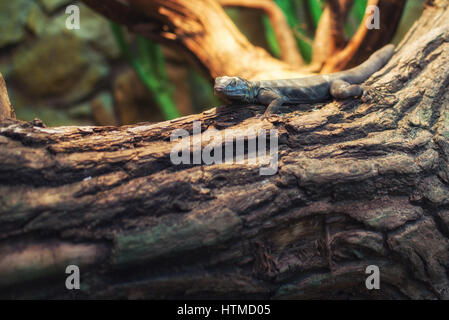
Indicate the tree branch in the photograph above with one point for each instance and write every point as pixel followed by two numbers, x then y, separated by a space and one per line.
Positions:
pixel 329 36
pixel 194 27
pixel 116 11
pixel 284 34
pixel 207 34
pixel 367 40
pixel 6 109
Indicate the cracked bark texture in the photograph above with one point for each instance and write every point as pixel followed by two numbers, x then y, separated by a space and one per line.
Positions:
pixel 360 182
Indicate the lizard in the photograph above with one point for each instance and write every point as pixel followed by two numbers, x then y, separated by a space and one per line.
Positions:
pixel 309 89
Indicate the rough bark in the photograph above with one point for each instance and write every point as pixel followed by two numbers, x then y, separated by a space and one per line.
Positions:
pixel 360 182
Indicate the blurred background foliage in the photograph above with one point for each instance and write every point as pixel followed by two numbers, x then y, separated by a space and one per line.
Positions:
pixel 103 75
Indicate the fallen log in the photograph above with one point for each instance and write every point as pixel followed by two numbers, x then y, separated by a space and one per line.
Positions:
pixel 359 182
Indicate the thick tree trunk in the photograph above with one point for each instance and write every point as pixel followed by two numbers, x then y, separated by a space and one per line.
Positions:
pixel 360 182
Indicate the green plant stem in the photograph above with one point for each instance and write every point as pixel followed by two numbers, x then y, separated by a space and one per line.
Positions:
pixel 315 11
pixel 271 38
pixel 359 9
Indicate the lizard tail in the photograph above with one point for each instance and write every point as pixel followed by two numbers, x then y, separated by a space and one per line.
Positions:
pixel 374 63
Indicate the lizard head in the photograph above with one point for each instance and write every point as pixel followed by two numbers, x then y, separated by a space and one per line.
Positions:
pixel 233 89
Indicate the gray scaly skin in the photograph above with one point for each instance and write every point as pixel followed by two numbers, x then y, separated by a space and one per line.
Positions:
pixel 274 93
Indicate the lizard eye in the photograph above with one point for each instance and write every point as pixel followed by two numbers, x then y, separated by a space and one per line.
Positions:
pixel 233 83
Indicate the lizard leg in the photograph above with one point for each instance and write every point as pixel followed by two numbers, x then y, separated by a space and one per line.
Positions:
pixel 270 98
pixel 341 89
pixel 273 107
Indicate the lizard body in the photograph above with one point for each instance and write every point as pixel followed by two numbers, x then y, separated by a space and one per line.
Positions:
pixel 317 88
